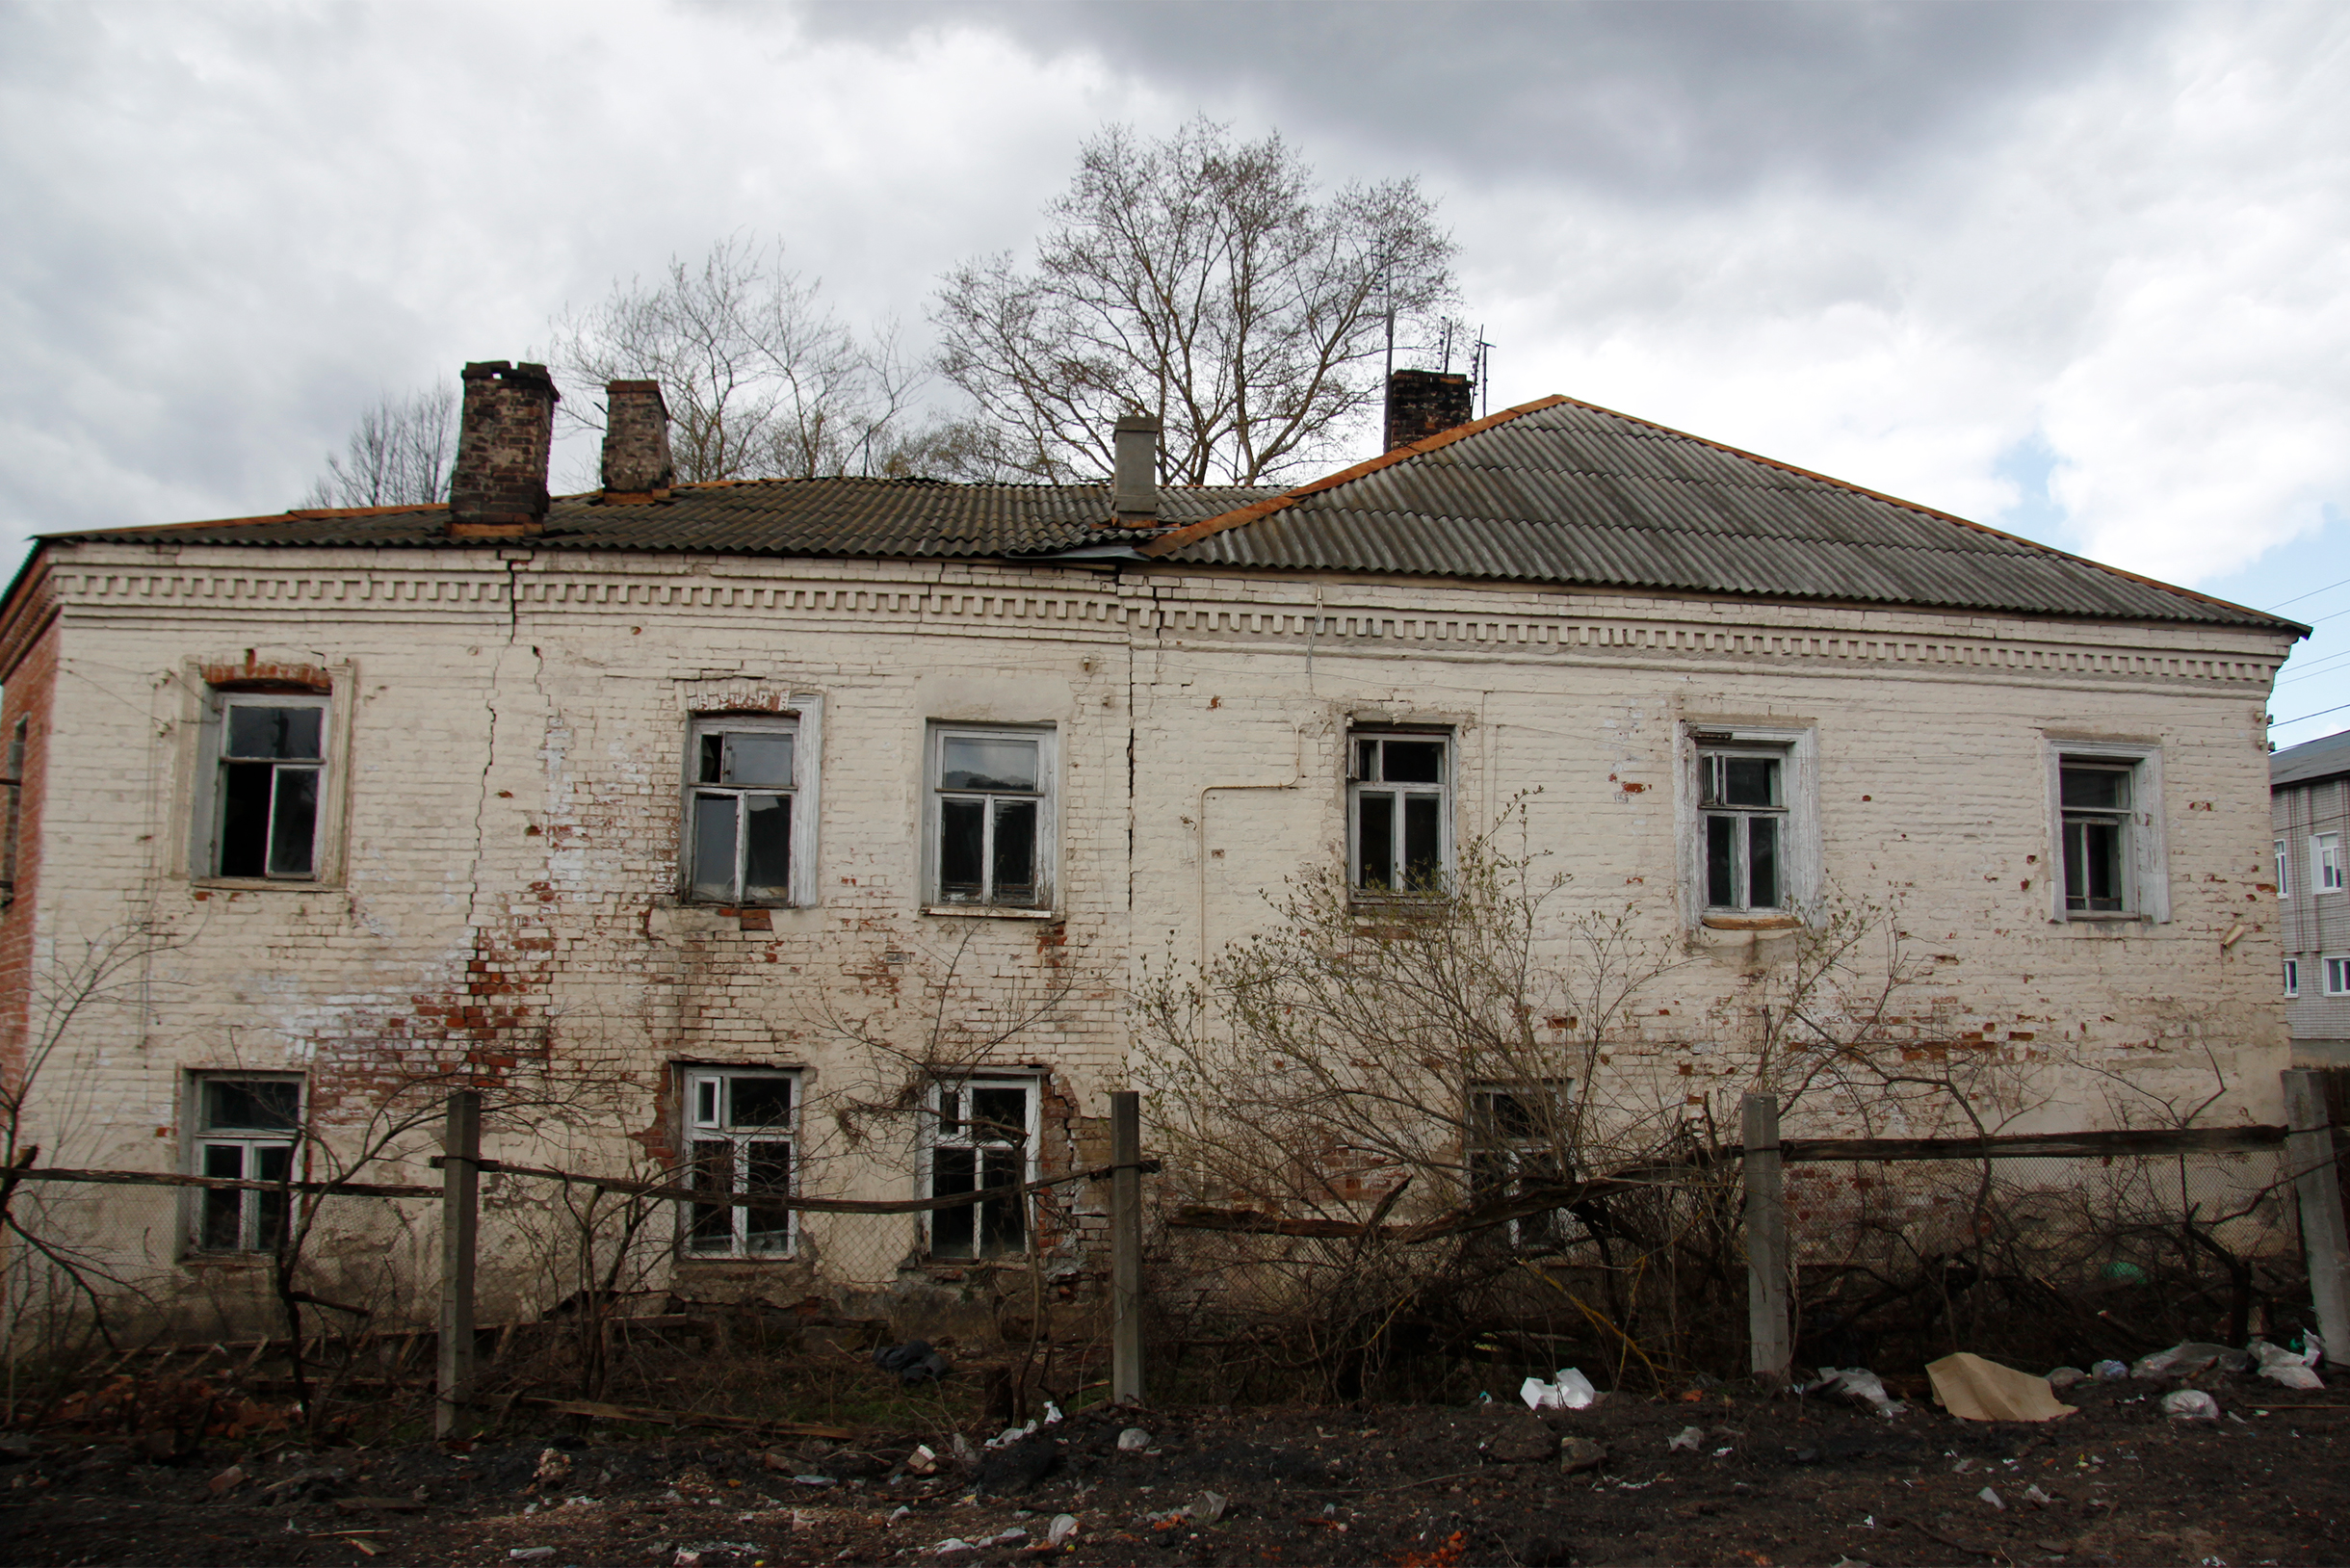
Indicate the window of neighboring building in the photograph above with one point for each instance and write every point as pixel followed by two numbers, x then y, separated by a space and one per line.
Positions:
pixel 2337 976
pixel 2292 977
pixel 1516 1142
pixel 740 1127
pixel 268 786
pixel 247 1126
pixel 749 812
pixel 2325 863
pixel 983 1136
pixel 14 782
pixel 991 816
pixel 2284 866
pixel 1741 799
pixel 2106 807
pixel 1399 811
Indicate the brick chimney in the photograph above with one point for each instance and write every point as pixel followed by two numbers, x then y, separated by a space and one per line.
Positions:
pixel 636 464
pixel 499 487
pixel 1133 486
pixel 1426 402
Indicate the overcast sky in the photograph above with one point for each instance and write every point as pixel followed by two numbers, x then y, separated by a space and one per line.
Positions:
pixel 2075 270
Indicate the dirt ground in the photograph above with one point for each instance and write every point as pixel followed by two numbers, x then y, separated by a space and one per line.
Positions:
pixel 1765 1482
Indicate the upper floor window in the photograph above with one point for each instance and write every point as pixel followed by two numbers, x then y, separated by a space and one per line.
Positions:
pixel 246 1127
pixel 2292 977
pixel 2285 863
pixel 991 816
pixel 2337 976
pixel 1741 800
pixel 983 1138
pixel 749 817
pixel 741 1129
pixel 1398 811
pixel 268 785
pixel 2325 863
pixel 2099 814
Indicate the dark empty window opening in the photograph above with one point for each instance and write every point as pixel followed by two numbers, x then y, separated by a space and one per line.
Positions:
pixel 991 794
pixel 1399 801
pixel 247 1130
pixel 1741 799
pixel 741 1130
pixel 739 806
pixel 2096 801
pixel 1518 1144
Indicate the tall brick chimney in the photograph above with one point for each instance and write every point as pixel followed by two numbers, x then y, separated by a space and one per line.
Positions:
pixel 500 487
pixel 637 463
pixel 1134 481
pixel 1426 402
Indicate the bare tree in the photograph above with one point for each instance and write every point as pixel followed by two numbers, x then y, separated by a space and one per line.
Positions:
pixel 762 380
pixel 399 454
pixel 1200 279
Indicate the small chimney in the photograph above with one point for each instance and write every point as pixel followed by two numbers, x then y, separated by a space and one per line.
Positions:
pixel 637 465
pixel 1426 402
pixel 500 487
pixel 1134 490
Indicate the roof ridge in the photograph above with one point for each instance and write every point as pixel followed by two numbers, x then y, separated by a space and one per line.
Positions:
pixel 1193 532
pixel 290 515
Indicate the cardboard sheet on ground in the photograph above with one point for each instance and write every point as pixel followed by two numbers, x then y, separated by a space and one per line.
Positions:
pixel 1973 1389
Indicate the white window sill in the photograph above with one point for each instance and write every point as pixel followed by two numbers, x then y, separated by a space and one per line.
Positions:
pixel 2103 917
pixel 989 911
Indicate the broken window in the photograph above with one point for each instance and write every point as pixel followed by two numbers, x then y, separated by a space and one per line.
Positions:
pixel 1742 815
pixel 991 816
pixel 1517 1144
pixel 1399 811
pixel 983 1138
pixel 2326 863
pixel 246 1129
pixel 2096 798
pixel 740 1127
pixel 742 798
pixel 268 786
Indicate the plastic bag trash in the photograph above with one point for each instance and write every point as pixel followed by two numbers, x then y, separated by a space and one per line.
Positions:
pixel 913 1362
pixel 1052 1413
pixel 2190 1404
pixel 902 1512
pixel 2037 1497
pixel 1973 1389
pixel 1006 1438
pixel 1134 1440
pixel 1690 1438
pixel 1858 1385
pixel 1063 1525
pixel 1209 1507
pixel 2313 1349
pixel 2283 1367
pixel 529 1554
pixel 2186 1359
pixel 1993 1497
pixel 1570 1390
pixel 951 1544
pixel 1009 1537
pixel 2064 1377
pixel 2109 1371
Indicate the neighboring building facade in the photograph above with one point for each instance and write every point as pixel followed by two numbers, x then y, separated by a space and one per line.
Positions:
pixel 821 828
pixel 2310 809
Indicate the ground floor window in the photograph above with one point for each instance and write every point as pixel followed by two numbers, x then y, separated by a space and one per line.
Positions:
pixel 247 1126
pixel 1516 1142
pixel 983 1138
pixel 741 1129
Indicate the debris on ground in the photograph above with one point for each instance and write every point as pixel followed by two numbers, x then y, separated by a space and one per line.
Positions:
pixel 2186 1359
pixel 1568 1390
pixel 1856 1385
pixel 1973 1389
pixel 1134 1440
pixel 2190 1404
pixel 911 1363
pixel 2285 1367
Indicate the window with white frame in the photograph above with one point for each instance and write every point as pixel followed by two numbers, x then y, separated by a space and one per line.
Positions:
pixel 2292 977
pixel 1517 1142
pixel 2325 862
pixel 2108 848
pixel 751 809
pixel 741 1131
pixel 2285 863
pixel 246 1129
pixel 1742 807
pixel 2337 976
pixel 991 816
pixel 1398 810
pixel 268 786
pixel 982 1138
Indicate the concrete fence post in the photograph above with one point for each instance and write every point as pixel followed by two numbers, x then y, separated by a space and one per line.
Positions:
pixel 1126 1247
pixel 461 1219
pixel 2308 1150
pixel 1769 1322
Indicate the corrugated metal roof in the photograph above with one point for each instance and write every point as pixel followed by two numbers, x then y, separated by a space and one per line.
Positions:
pixel 2321 758
pixel 892 518
pixel 1564 493
pixel 1552 492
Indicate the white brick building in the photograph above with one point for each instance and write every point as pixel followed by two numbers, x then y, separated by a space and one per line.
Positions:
pixel 705 791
